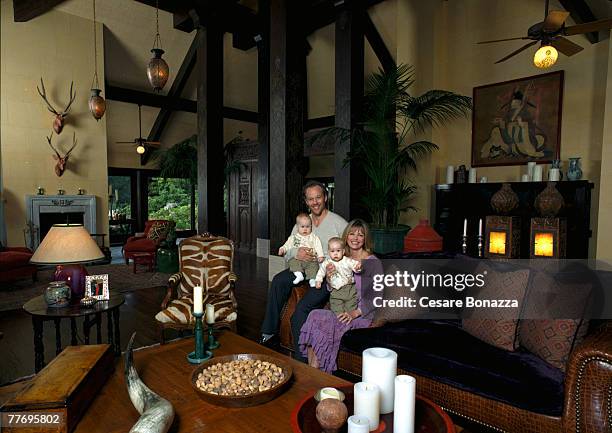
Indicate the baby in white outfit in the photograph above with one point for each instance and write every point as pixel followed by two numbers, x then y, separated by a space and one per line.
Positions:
pixel 303 238
pixel 341 283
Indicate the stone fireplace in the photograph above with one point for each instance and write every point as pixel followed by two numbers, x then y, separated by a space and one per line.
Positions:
pixel 43 211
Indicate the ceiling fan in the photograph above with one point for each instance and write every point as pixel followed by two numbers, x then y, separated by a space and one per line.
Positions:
pixel 140 143
pixel 550 33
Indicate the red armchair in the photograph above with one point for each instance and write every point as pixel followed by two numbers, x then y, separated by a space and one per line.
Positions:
pixel 15 264
pixel 155 231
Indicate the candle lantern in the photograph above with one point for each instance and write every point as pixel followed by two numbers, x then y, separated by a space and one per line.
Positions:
pixel 548 237
pixel 502 237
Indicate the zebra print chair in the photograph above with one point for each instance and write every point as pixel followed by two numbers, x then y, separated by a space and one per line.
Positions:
pixel 207 261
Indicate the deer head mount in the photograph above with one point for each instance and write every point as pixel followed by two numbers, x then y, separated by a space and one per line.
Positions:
pixel 58 122
pixel 61 161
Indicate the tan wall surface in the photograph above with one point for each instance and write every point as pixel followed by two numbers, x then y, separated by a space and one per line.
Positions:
pixel 48 46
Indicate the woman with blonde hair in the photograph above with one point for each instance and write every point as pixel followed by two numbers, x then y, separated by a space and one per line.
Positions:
pixel 320 336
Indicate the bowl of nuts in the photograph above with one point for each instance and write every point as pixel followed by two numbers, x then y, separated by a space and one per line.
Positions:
pixel 241 380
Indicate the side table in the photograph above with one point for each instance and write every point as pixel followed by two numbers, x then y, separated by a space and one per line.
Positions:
pixel 41 312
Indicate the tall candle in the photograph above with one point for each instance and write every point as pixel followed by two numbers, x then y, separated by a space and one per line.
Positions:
pixel 210 314
pixel 480 227
pixel 116 195
pixel 465 227
pixel 450 174
pixel 358 424
pixel 366 401
pixel 525 178
pixel 110 189
pixel 472 175
pixel 403 411
pixel 537 173
pixel 380 367
pixel 197 300
pixel 530 169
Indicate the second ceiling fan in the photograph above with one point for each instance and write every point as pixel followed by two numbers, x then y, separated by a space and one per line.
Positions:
pixel 140 142
pixel 550 33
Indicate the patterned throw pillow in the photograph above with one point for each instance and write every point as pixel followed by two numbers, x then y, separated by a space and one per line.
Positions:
pixel 498 328
pixel 553 339
pixel 158 230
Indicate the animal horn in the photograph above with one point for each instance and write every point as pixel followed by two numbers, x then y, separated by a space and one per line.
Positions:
pixel 157 413
pixel 54 149
pixel 43 95
pixel 74 143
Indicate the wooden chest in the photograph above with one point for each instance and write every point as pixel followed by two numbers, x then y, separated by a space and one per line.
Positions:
pixel 58 396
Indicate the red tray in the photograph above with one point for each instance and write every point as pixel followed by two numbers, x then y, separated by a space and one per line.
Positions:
pixel 429 417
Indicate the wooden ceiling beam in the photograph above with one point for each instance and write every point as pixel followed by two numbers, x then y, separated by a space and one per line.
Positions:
pixel 581 13
pixel 377 43
pixel 25 10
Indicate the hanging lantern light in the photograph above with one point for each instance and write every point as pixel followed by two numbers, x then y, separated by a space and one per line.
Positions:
pixel 157 69
pixel 97 104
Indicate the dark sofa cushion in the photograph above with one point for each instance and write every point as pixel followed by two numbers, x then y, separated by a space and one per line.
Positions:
pixel 444 352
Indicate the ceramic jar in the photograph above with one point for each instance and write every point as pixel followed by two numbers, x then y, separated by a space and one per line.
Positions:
pixel 505 200
pixel 57 294
pixel 574 172
pixel 550 201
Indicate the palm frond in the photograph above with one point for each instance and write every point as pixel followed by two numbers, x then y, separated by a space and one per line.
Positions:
pixel 180 160
pixel 433 109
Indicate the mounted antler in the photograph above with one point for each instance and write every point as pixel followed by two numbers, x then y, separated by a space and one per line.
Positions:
pixel 58 123
pixel 60 165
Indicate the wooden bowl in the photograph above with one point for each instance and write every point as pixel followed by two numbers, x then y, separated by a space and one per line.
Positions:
pixel 243 400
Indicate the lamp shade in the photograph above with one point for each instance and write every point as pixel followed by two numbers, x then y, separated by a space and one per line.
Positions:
pixel 545 57
pixel 67 243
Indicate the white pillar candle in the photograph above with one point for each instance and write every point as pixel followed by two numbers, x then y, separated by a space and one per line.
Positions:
pixel 197 300
pixel 484 179
pixel 403 410
pixel 450 174
pixel 358 424
pixel 465 227
pixel 480 227
pixel 472 175
pixel 210 314
pixel 537 173
pixel 366 402
pixel 525 178
pixel 380 367
pixel 530 169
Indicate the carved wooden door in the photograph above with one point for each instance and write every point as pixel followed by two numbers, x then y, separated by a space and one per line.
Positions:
pixel 242 197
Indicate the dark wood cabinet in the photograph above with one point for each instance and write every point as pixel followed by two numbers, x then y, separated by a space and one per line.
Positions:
pixel 455 202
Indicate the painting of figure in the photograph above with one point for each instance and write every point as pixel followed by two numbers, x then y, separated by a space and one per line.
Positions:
pixel 517 121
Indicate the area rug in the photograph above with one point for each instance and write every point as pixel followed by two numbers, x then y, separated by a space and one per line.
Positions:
pixel 120 279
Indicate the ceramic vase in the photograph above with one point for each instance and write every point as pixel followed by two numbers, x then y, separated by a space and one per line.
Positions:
pixel 505 200
pixel 550 201
pixel 574 172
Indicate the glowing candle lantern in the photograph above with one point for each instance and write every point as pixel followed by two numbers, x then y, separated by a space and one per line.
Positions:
pixel 497 243
pixel 543 245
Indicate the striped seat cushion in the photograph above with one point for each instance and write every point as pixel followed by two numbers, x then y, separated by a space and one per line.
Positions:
pixel 179 310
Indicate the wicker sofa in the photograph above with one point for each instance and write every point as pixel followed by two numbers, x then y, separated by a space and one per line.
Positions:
pixel 505 391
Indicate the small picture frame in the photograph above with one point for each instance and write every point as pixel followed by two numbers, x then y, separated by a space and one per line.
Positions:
pixel 96 286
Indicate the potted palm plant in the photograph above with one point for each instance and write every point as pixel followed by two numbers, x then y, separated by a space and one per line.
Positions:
pixel 390 115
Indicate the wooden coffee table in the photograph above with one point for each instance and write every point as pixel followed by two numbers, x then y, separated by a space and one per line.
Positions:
pixel 166 371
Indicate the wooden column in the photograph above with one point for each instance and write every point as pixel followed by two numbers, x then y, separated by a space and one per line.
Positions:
pixel 349 91
pixel 210 129
pixel 263 127
pixel 287 163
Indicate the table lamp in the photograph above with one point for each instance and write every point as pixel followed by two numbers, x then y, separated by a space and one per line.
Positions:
pixel 68 244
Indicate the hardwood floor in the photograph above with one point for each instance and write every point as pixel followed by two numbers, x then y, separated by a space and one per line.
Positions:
pixel 137 315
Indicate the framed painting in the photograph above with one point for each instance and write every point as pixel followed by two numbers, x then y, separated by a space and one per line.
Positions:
pixel 517 121
pixel 96 286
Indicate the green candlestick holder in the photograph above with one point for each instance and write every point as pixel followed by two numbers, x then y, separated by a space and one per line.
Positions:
pixel 212 341
pixel 200 354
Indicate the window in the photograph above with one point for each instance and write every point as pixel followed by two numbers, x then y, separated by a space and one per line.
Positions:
pixel 171 199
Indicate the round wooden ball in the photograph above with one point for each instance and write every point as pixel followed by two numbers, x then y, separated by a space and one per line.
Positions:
pixel 331 414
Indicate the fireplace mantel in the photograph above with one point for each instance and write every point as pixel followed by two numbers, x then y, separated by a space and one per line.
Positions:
pixel 40 204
